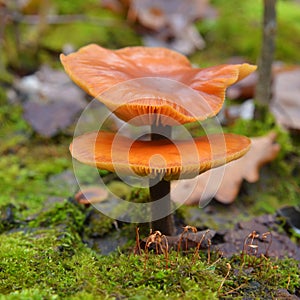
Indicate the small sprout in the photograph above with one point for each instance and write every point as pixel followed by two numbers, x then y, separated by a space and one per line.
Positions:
pixel 265 237
pixel 186 230
pixel 208 251
pixel 251 246
pixel 91 195
pixel 248 243
pixel 196 254
pixel 137 248
pixel 161 244
pixel 227 274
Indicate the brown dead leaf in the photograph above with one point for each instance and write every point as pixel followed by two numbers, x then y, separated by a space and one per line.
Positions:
pixel 52 100
pixel 224 182
pixel 244 89
pixel 286 101
pixel 117 6
pixel 157 14
pixel 91 195
pixel 171 23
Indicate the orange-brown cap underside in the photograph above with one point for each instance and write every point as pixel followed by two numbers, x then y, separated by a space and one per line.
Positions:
pixel 164 158
pixel 121 79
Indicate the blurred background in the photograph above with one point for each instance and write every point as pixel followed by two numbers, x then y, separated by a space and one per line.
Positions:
pixel 51 237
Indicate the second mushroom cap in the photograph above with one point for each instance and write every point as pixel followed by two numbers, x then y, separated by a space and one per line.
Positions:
pixel 168 159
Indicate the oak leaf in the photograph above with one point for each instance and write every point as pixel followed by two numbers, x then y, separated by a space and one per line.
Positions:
pixel 224 183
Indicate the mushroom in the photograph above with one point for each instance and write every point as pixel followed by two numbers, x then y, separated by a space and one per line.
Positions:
pixel 100 72
pixel 90 195
pixel 160 88
pixel 142 158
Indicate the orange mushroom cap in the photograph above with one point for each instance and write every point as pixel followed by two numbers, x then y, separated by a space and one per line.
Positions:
pixel 165 158
pixel 137 81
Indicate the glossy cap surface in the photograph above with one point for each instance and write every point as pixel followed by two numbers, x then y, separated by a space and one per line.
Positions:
pixel 165 158
pixel 144 85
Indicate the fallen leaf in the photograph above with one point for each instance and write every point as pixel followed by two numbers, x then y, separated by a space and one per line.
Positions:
pixel 243 111
pixel 157 14
pixel 171 23
pixel 286 100
pixel 245 89
pixel 91 195
pixel 52 100
pixel 285 103
pixel 224 183
pixel 113 5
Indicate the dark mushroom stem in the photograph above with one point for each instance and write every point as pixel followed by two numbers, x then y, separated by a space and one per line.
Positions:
pixel 160 188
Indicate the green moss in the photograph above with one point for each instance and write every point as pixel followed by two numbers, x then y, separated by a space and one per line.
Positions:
pixel 237 31
pixel 24 179
pixel 13 128
pixel 66 213
pixel 45 258
pixel 26 164
pixel 99 224
pixel 40 259
pixel 73 7
pixel 34 265
pixel 119 189
pixel 269 275
pixel 104 30
pixel 288 29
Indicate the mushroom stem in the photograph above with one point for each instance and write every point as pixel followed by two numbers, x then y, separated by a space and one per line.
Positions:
pixel 160 189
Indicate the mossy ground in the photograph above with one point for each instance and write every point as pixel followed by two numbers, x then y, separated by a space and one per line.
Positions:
pixel 45 258
pixel 42 251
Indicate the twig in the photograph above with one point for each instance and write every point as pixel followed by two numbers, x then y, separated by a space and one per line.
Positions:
pixel 137 242
pixel 251 236
pixel 224 279
pixel 288 283
pixel 263 89
pixel 264 237
pixel 233 290
pixel 196 254
pixel 186 230
pixel 166 252
pixel 208 251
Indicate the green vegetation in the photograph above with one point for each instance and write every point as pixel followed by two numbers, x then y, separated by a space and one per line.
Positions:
pixel 26 163
pixel 237 32
pixel 43 249
pixel 46 259
pixel 283 186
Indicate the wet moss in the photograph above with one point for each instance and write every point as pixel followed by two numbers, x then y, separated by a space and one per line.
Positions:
pixel 67 213
pixel 45 263
pixel 97 224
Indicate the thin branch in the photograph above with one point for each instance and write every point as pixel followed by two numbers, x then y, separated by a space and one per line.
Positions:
pixel 263 89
